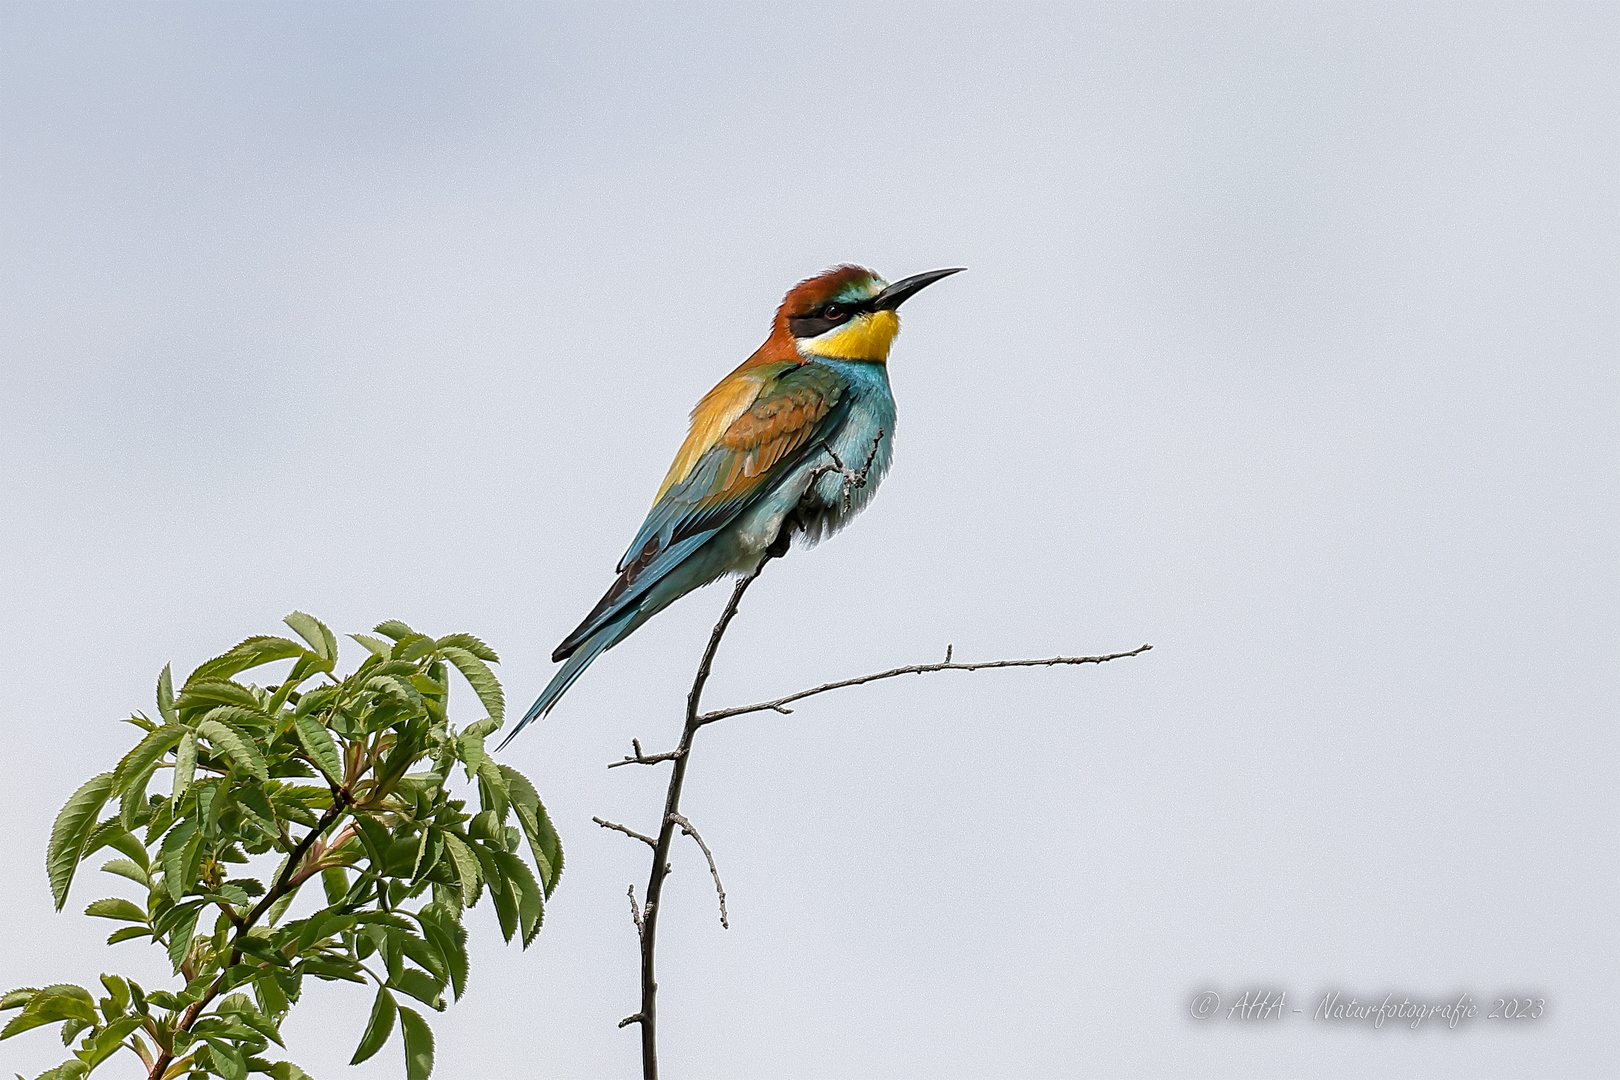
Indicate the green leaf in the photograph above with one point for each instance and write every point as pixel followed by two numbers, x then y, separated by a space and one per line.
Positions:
pixel 251 653
pixel 126 869
pixel 116 907
pixel 237 746
pixel 128 933
pixel 531 907
pixel 228 1061
pixel 178 848
pixel 180 938
pixel 543 841
pixel 118 992
pixel 378 647
pixel 312 630
pixel 482 680
pixel 165 696
pixel 471 644
pixel 492 788
pixel 421 986
pixel 286 1070
pixel 71 833
pixel 185 765
pixel 395 629
pixel 272 999
pixel 380 1026
pixel 71 1069
pixel 16 999
pixel 466 866
pixel 146 752
pixel 418 1044
pixel 449 937
pixel 211 692
pixel 109 1038
pixel 317 743
pixel 63 1001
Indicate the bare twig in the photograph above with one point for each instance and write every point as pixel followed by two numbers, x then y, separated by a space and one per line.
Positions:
pixel 686 827
pixel 635 916
pixel 913 669
pixel 644 759
pixel 649 841
pixel 647 925
pixel 646 916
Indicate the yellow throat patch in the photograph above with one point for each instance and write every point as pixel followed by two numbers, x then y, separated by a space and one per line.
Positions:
pixel 865 337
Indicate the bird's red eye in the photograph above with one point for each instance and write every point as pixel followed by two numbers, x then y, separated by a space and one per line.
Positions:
pixel 832 311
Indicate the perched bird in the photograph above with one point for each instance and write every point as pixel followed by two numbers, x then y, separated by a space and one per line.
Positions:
pixel 794 440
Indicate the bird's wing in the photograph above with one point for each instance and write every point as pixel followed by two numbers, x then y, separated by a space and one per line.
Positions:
pixel 724 469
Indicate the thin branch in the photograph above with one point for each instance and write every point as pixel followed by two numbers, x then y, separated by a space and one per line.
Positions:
pixel 686 827
pixel 645 759
pixel 913 669
pixel 647 925
pixel 649 841
pixel 283 884
pixel 635 916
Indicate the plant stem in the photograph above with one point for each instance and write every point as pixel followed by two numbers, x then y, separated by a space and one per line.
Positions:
pixel 648 1017
pixel 284 883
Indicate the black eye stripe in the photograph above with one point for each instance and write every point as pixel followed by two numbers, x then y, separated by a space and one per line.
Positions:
pixel 817 323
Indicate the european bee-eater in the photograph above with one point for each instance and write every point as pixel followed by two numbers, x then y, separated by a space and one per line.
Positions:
pixel 772 451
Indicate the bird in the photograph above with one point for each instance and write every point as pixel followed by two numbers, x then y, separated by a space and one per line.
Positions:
pixel 794 441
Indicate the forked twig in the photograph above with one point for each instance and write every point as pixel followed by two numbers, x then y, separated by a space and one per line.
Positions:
pixel 686 827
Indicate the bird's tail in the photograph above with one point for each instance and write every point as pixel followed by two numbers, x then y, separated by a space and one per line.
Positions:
pixel 588 650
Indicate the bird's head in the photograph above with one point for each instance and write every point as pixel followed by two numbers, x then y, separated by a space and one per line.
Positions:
pixel 848 313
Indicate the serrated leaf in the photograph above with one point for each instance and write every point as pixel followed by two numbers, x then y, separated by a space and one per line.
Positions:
pixel 378 1028
pixel 480 678
pixel 63 1001
pixel 146 752
pixel 376 646
pixel 418 1044
pixel 16 999
pixel 449 937
pixel 210 692
pixel 317 743
pixel 228 1061
pixel 253 652
pixel 421 986
pixel 466 867
pixel 286 1070
pixel 128 933
pixel 394 629
pixel 108 1039
pixel 116 907
pixel 165 696
pixel 530 903
pixel 185 765
pixel 124 868
pixel 471 644
pixel 71 832
pixel 544 844
pixel 321 640
pixel 492 788
pixel 180 937
pixel 236 746
pixel 176 858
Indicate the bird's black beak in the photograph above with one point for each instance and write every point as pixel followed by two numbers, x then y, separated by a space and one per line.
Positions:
pixel 901 291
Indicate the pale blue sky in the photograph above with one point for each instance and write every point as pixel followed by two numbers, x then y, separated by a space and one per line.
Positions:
pixel 1288 344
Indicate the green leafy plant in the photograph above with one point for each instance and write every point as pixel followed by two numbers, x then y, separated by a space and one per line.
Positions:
pixel 346 780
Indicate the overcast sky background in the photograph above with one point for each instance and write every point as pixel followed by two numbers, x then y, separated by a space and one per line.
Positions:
pixel 1288 344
